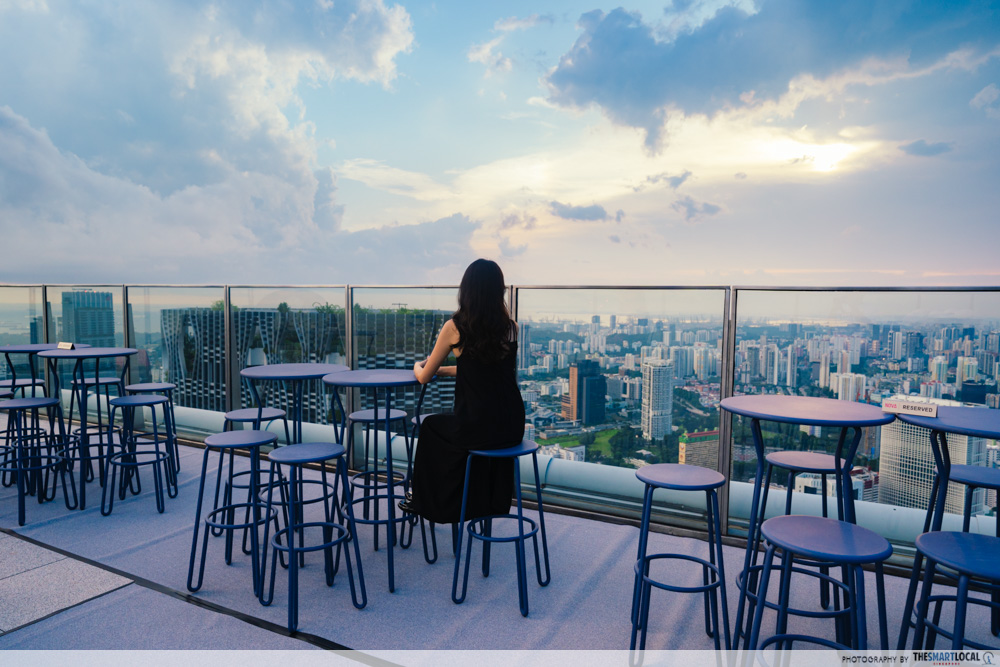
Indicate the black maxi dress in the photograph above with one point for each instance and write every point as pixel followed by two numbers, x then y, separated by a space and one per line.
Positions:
pixel 489 414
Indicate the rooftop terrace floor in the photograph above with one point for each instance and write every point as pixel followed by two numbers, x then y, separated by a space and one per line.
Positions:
pixel 78 580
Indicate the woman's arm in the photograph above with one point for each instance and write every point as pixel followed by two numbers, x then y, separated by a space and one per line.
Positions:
pixel 425 370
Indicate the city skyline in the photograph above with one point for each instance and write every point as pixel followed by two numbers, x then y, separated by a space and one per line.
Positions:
pixel 711 142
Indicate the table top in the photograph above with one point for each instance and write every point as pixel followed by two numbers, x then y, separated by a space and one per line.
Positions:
pixel 976 422
pixel 808 410
pixel 34 348
pixel 88 353
pixel 292 371
pixel 373 377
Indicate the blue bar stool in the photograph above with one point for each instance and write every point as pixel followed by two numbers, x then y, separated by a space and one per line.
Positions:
pixel 7 449
pixel 260 418
pixel 368 478
pixel 163 389
pixel 816 463
pixel 960 557
pixel 101 430
pixel 335 534
pixel 482 528
pixel 680 477
pixel 136 449
pixel 811 540
pixel 33 454
pixel 224 518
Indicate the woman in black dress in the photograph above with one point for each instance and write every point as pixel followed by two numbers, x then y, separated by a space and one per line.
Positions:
pixel 489 413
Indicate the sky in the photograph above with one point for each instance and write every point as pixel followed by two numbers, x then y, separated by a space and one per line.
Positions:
pixel 692 142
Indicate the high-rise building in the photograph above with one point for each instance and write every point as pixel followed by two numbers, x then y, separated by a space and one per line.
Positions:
pixel 791 366
pixel 906 465
pixel 88 317
pixel 587 389
pixel 657 398
pixel 938 368
pixel 524 347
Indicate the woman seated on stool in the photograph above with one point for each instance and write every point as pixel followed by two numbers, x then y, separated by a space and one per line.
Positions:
pixel 489 413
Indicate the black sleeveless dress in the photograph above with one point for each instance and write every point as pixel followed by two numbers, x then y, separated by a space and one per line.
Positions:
pixel 489 414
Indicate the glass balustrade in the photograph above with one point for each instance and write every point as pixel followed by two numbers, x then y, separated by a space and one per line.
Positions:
pixel 613 378
pixel 937 346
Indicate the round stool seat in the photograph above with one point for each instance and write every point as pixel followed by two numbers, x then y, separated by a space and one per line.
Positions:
pixel 251 414
pixel 369 415
pixel 417 421
pixel 6 393
pixel 151 386
pixel 23 382
pixel 970 553
pixel 805 461
pixel 825 539
pixel 28 403
pixel 977 476
pixel 307 452
pixel 520 449
pixel 103 380
pixel 235 439
pixel 138 401
pixel 680 477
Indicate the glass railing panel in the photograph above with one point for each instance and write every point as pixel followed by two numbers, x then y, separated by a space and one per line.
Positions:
pixel 87 314
pixel 394 327
pixel 866 345
pixel 614 379
pixel 273 325
pixel 20 323
pixel 181 337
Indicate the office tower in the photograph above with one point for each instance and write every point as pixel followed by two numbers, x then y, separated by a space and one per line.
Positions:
pixel 897 345
pixel 906 465
pixel 824 371
pixel 772 364
pixel 587 389
pixel 851 386
pixel 967 370
pixel 913 344
pixel 791 366
pixel 193 356
pixel 683 361
pixel 524 346
pixel 704 363
pixel 938 368
pixel 657 398
pixel 612 322
pixel 88 317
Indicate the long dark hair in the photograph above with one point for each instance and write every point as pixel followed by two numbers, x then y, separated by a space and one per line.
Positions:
pixel 485 328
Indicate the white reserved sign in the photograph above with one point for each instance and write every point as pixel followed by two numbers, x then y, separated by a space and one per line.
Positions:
pixel 910 408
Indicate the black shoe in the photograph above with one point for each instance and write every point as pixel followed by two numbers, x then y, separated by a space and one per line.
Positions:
pixel 407 506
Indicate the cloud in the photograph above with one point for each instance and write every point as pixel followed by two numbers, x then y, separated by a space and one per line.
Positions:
pixel 513 23
pixel 523 220
pixel 923 149
pixel 740 175
pixel 619 215
pixel 249 227
pixel 638 73
pixel 489 54
pixel 693 210
pixel 568 212
pixel 986 99
pixel 614 238
pixel 673 181
pixel 495 61
pixel 509 250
